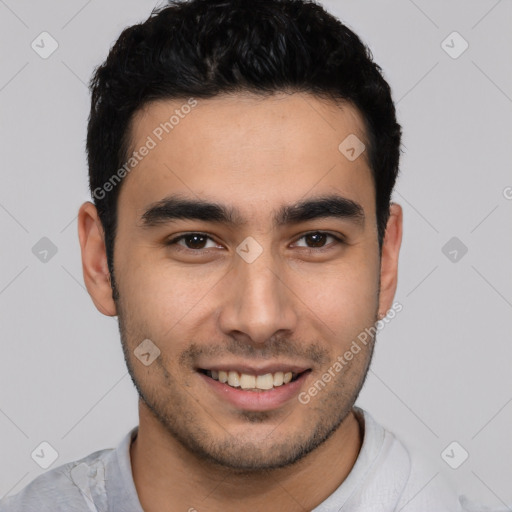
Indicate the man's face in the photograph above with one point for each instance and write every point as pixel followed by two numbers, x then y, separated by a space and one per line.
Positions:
pixel 265 294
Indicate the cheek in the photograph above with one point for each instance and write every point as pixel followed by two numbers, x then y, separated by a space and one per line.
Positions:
pixel 161 296
pixel 343 297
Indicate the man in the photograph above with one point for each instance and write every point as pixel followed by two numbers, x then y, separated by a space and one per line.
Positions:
pixel 242 157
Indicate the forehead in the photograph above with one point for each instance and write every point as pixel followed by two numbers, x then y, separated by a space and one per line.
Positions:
pixel 247 150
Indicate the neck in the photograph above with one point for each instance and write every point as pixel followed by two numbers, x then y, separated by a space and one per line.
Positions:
pixel 168 477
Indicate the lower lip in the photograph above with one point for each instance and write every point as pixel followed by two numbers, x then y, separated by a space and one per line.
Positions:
pixel 256 400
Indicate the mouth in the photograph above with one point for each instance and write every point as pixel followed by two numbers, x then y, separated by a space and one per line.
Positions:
pixel 254 382
pixel 247 388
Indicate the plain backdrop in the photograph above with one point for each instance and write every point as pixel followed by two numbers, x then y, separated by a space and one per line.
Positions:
pixel 442 368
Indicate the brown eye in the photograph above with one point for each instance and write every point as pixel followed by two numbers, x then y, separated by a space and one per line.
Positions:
pixel 318 239
pixel 195 241
pixel 192 241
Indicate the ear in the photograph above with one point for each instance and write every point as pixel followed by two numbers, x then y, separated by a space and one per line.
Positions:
pixel 94 259
pixel 389 259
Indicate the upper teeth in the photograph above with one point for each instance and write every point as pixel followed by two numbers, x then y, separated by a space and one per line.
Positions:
pixel 246 381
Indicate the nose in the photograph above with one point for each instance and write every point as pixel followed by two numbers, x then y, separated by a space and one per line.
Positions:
pixel 258 302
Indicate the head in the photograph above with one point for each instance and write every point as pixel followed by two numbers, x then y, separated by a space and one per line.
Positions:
pixel 242 158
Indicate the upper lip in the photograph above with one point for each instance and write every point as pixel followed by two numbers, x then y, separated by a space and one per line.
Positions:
pixel 255 369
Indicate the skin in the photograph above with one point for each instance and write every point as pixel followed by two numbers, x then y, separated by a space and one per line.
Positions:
pixel 294 303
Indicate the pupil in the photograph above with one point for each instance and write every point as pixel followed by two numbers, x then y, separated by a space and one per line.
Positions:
pixel 194 242
pixel 318 239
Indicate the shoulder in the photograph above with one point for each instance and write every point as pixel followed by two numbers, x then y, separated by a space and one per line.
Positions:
pixel 415 483
pixel 427 489
pixel 65 488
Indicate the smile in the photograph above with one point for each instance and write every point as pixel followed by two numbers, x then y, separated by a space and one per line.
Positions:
pixel 252 387
pixel 250 382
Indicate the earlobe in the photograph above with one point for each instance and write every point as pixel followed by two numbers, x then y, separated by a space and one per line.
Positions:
pixel 94 259
pixel 389 258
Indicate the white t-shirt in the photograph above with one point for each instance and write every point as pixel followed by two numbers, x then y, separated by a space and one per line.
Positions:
pixel 383 479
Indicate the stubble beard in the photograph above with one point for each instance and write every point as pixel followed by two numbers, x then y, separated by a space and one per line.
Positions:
pixel 178 415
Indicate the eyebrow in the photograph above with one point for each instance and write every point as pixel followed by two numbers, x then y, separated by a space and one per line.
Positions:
pixel 176 207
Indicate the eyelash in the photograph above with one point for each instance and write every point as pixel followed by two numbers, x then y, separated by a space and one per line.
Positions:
pixel 174 241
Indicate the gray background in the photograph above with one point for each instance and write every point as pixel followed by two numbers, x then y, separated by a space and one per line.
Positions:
pixel 441 371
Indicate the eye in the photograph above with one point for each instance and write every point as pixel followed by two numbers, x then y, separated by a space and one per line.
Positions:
pixel 192 241
pixel 197 242
pixel 318 239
